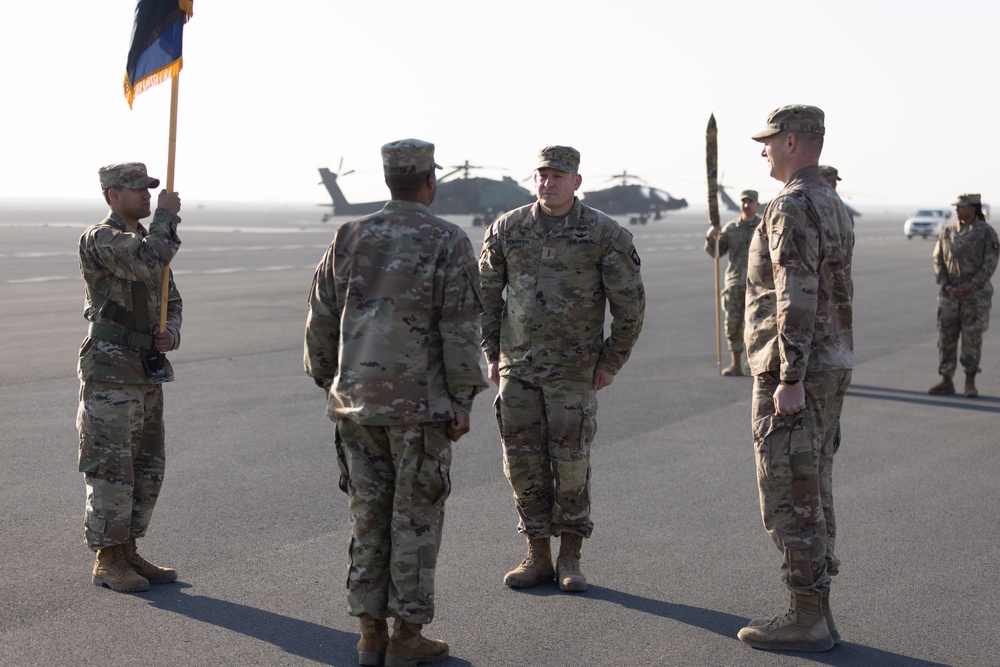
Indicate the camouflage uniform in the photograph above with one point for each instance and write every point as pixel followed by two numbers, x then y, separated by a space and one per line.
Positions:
pixel 799 328
pixel 546 336
pixel 734 240
pixel 391 334
pixel 120 418
pixel 965 255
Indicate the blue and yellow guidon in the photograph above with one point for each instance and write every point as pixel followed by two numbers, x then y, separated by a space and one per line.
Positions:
pixel 155 53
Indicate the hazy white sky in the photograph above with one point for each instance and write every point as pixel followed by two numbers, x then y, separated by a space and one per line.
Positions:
pixel 271 91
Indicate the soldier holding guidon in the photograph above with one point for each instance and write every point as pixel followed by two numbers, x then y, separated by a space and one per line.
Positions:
pixel 734 240
pixel 121 369
pixel 392 337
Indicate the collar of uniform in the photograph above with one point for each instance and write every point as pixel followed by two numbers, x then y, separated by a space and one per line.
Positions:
pixel 116 221
pixel 401 205
pixel 804 173
pixel 571 218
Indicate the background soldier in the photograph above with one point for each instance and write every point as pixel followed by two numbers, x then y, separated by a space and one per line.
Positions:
pixel 965 257
pixel 801 350
pixel 734 240
pixel 392 336
pixel 560 263
pixel 121 371
pixel 830 175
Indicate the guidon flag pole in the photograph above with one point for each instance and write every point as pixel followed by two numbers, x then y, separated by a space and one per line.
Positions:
pixel 153 57
pixel 712 167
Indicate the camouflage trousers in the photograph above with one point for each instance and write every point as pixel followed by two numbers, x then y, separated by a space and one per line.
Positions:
pixel 547 431
pixel 398 478
pixel 968 317
pixel 794 456
pixel 122 458
pixel 733 309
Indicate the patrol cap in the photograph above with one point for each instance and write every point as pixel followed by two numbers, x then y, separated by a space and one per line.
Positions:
pixel 130 175
pixel 829 173
pixel 408 156
pixel 749 194
pixel 793 118
pixel 969 200
pixel 563 158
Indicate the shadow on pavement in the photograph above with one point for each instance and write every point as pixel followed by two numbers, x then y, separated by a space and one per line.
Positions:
pixel 727 625
pixel 957 401
pixel 305 639
pixel 308 640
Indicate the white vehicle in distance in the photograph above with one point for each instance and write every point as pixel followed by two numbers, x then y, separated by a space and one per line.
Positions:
pixel 926 222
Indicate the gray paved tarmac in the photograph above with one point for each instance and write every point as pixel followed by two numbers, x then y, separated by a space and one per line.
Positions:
pixel 251 516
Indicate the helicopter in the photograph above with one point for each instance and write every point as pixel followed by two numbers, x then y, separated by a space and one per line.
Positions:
pixel 340 205
pixel 627 198
pixel 483 198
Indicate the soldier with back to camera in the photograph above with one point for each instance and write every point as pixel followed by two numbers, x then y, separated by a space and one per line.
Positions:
pixel 392 336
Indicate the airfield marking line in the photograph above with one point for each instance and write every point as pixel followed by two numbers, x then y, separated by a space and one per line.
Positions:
pixel 41 279
pixel 34 255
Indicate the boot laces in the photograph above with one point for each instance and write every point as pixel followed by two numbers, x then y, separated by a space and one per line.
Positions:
pixel 139 561
pixel 117 565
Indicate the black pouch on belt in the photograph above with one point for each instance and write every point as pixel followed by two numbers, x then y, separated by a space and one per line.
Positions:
pixel 154 364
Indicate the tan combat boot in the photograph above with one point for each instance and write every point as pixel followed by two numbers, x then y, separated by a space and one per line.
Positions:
pixel 970 385
pixel 111 570
pixel 374 640
pixel 802 628
pixel 568 564
pixel 827 615
pixel 154 573
pixel 736 367
pixel 945 386
pixel 536 568
pixel 407 647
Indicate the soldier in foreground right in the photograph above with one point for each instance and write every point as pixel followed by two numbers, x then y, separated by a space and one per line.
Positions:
pixel 965 257
pixel 800 347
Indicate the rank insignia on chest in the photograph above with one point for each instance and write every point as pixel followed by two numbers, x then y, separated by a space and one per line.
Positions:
pixel 548 253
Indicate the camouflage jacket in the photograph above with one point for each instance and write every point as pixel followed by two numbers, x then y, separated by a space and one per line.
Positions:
pixel 799 287
pixel 966 255
pixel 393 319
pixel 551 323
pixel 113 255
pixel 734 240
